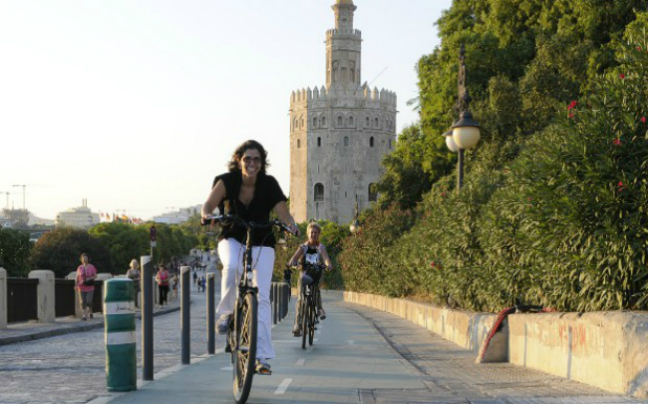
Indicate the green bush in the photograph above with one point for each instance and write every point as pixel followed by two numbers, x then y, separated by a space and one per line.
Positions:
pixel 60 251
pixel 14 252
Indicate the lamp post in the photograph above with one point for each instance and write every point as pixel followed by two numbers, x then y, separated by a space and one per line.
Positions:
pixel 465 131
pixel 355 225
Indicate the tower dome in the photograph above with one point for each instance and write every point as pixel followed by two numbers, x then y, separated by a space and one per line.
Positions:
pixel 344 2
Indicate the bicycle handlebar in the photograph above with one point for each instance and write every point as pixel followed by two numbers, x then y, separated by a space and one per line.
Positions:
pixel 220 219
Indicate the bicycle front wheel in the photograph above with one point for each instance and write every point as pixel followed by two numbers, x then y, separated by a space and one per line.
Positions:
pixel 311 322
pixel 304 319
pixel 244 351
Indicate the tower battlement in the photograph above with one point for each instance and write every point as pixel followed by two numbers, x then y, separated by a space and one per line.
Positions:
pixel 306 97
pixel 333 33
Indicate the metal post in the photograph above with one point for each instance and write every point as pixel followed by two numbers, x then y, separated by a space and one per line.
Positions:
pixel 185 286
pixel 211 319
pixel 286 292
pixel 147 317
pixel 274 302
pixel 460 164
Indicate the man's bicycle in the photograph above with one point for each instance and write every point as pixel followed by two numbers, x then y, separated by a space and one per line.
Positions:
pixel 241 340
pixel 309 298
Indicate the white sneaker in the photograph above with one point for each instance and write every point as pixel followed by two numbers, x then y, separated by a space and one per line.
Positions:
pixel 223 324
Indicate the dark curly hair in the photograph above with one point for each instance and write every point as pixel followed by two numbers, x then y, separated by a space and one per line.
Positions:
pixel 234 164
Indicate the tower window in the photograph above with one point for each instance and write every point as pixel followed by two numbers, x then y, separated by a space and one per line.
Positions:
pixel 376 122
pixel 350 121
pixel 371 141
pixel 314 122
pixel 298 143
pixel 323 122
pixel 302 123
pixel 319 142
pixel 319 192
pixel 373 196
pixel 295 124
pixel 339 121
pixel 346 140
pixel 367 121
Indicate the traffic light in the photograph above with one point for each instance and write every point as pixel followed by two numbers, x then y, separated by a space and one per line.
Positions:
pixel 153 233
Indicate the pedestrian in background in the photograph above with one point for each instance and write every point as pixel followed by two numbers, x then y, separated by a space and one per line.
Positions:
pixel 162 279
pixel 174 285
pixel 85 278
pixel 135 274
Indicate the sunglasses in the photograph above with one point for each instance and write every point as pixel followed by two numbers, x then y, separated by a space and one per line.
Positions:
pixel 249 159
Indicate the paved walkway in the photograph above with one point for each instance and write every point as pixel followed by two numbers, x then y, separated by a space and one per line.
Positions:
pixel 362 355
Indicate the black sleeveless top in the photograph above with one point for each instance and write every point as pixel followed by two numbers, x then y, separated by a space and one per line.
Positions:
pixel 267 194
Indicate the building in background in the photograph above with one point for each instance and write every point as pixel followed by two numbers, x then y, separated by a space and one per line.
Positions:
pixel 339 133
pixel 179 216
pixel 80 217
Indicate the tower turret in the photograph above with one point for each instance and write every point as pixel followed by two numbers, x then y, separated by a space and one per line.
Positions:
pixel 343 49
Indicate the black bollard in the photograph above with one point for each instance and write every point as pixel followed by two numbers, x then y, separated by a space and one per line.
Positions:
pixel 185 285
pixel 147 317
pixel 274 302
pixel 211 320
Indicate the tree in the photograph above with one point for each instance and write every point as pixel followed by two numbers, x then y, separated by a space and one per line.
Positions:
pixel 60 251
pixel 14 252
pixel 124 241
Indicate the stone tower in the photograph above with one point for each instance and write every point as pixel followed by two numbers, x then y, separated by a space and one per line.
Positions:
pixel 340 132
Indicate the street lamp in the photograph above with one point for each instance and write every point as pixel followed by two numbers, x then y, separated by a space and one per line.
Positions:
pixel 465 132
pixel 355 225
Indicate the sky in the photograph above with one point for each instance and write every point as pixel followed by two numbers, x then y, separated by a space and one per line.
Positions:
pixel 135 105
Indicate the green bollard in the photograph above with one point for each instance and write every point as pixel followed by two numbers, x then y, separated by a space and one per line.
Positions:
pixel 119 326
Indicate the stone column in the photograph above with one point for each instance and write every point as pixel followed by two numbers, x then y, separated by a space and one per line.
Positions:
pixel 3 298
pixel 46 301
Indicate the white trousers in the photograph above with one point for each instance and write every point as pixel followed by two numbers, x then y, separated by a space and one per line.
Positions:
pixel 231 252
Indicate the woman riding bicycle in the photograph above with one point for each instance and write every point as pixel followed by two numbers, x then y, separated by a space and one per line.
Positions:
pixel 311 252
pixel 249 193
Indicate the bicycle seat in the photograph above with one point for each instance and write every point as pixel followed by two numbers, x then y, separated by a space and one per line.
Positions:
pixel 306 279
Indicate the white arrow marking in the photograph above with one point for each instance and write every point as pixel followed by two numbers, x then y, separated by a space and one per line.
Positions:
pixel 301 362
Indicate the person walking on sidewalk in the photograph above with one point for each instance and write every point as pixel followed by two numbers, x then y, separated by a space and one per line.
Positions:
pixel 134 274
pixel 162 279
pixel 248 192
pixel 85 278
pixel 311 252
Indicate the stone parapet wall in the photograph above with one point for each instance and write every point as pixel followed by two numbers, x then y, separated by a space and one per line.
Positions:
pixel 608 350
pixel 464 328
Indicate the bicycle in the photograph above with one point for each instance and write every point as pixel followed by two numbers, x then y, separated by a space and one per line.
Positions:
pixel 309 298
pixel 241 336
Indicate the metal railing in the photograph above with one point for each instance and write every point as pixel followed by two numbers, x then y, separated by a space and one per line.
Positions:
pixel 22 300
pixel 64 297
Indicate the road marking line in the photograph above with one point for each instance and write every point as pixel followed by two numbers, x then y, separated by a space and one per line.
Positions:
pixel 300 362
pixel 351 342
pixel 316 339
pixel 228 368
pixel 283 386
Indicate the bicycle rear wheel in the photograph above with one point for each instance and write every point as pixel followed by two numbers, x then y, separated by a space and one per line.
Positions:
pixel 244 351
pixel 304 319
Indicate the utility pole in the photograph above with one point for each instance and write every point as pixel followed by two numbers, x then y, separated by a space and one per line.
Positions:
pixel 23 187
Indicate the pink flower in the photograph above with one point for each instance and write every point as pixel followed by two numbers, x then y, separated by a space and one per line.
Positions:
pixel 571 115
pixel 432 264
pixel 638 48
pixel 643 119
pixel 622 76
pixel 443 194
pixel 620 186
pixel 617 142
pixel 572 105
